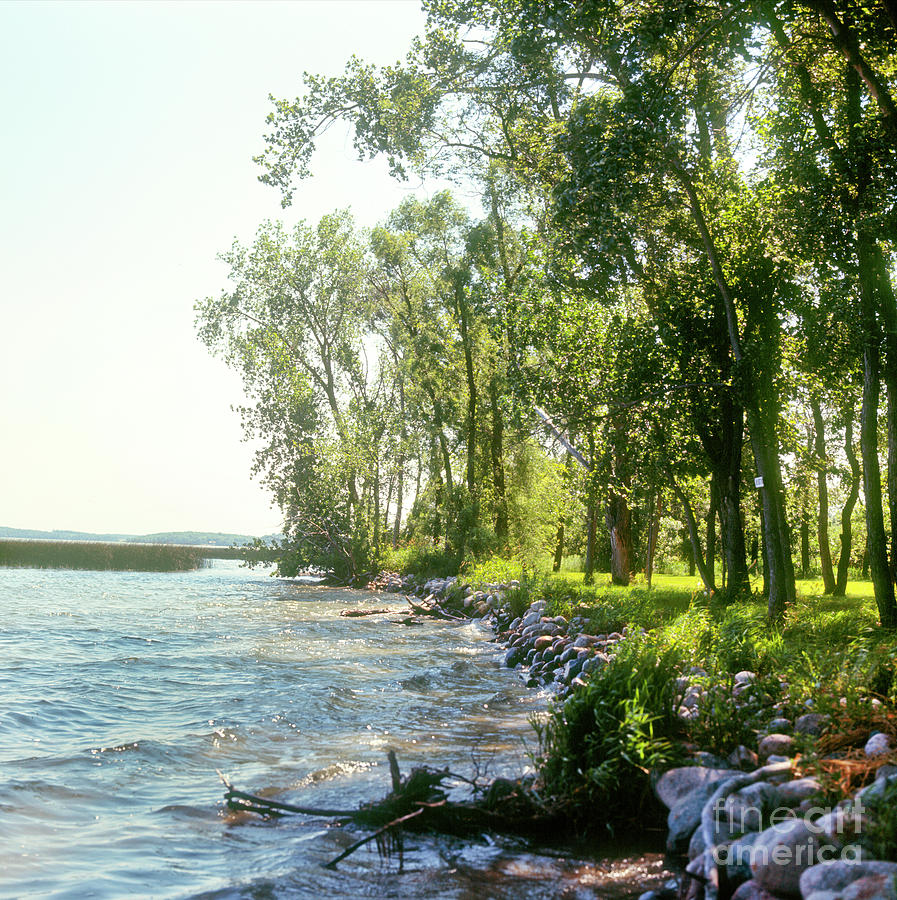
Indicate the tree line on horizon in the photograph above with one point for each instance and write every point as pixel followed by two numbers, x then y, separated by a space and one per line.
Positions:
pixel 682 274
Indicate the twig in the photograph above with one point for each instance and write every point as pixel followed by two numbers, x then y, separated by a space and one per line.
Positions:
pixel 374 836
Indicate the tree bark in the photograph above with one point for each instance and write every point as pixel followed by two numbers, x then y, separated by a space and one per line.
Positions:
pixel 710 541
pixel 849 504
pixel 618 520
pixel 498 463
pixel 825 553
pixel 876 542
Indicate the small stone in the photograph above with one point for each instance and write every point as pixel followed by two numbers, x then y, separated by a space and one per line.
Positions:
pixel 751 890
pixel 744 677
pixel 878 745
pixel 779 726
pixel 743 758
pixel 811 723
pixel 776 745
pixel 513 657
pixel 543 642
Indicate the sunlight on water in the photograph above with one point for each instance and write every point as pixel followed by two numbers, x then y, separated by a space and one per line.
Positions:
pixel 122 693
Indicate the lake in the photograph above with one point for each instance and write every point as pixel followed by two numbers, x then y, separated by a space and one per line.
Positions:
pixel 122 693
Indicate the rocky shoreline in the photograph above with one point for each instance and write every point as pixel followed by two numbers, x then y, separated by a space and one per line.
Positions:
pixel 749 827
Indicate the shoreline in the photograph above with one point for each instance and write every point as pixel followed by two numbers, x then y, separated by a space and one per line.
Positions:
pixel 723 837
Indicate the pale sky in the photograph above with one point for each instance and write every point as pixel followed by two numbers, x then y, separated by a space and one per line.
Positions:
pixel 128 131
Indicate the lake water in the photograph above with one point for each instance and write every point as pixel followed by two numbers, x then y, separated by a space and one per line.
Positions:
pixel 122 693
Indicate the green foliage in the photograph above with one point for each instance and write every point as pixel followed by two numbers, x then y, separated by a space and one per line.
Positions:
pixel 596 749
pixel 878 836
pixel 423 560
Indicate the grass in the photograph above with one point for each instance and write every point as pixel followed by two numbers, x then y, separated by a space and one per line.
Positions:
pixel 828 655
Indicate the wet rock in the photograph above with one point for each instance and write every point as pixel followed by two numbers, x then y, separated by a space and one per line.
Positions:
pixel 749 808
pixel 776 745
pixel 513 657
pixel 833 877
pixel 811 723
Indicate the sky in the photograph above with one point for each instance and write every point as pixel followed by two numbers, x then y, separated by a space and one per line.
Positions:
pixel 128 131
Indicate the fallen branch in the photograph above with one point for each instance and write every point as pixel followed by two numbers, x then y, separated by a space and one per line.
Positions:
pixel 371 837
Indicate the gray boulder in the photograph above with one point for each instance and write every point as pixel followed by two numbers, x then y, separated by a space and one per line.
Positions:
pixel 781 854
pixel 833 877
pixel 676 784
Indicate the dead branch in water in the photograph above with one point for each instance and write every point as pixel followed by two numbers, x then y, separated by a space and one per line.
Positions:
pixel 419 802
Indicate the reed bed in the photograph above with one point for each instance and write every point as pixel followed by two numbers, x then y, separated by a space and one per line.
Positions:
pixel 97 555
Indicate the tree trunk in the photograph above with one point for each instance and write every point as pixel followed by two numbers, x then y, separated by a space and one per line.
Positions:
pixel 656 509
pixel 692 526
pixel 498 464
pixel 710 541
pixel 592 527
pixel 463 312
pixel 558 548
pixel 619 525
pixel 825 553
pixel 805 547
pixel 849 504
pixel 876 541
pixel 762 428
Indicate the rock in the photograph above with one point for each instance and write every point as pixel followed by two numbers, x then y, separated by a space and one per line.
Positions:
pixel 878 745
pixel 513 657
pixel 751 890
pixel 871 887
pixel 744 677
pixel 676 784
pixel 793 792
pixel 780 726
pixel 783 853
pixel 811 723
pixel 833 877
pixel 776 745
pixel 543 642
pixel 885 772
pixel 743 758
pixel 748 809
pixel 685 816
pixel 735 858
pixel 572 669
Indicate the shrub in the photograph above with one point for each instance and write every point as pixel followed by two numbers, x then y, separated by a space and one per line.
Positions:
pixel 596 749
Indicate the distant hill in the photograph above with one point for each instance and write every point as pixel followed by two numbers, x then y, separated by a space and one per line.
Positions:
pixel 196 538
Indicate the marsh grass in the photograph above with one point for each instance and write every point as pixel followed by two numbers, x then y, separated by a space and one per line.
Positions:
pixel 101 556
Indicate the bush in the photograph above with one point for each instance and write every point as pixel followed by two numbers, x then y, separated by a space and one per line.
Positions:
pixel 596 749
pixel 423 560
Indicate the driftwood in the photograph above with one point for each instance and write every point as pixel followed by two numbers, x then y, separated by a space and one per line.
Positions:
pixel 433 609
pixel 419 803
pixel 358 613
